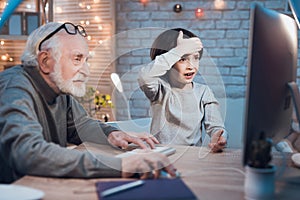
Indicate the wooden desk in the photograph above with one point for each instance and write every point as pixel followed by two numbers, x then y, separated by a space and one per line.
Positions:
pixel 209 175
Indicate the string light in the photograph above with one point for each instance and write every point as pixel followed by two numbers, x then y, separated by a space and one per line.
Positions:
pixel 58 10
pixel 219 4
pixel 97 19
pixel 6 57
pixel 144 1
pixel 177 8
pixel 199 12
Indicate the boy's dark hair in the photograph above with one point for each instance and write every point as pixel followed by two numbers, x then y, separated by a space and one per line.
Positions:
pixel 168 40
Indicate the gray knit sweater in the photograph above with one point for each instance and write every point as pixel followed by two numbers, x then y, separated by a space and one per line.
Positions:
pixel 35 126
pixel 178 115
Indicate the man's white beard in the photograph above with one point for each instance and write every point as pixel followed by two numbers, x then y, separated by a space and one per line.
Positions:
pixel 68 86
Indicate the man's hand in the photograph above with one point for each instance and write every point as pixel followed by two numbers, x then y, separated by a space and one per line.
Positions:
pixel 122 139
pixel 217 142
pixel 147 165
pixel 188 45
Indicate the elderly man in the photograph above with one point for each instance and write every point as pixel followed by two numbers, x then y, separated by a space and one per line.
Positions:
pixel 39 115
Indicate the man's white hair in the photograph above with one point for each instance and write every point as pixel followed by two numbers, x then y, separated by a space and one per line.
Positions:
pixel 29 56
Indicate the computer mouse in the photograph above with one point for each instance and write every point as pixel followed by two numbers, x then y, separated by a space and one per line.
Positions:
pixel 296 159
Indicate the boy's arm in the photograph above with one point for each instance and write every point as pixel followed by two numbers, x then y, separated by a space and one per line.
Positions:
pixel 213 121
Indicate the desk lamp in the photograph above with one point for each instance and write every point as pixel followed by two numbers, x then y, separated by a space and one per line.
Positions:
pixel 130 125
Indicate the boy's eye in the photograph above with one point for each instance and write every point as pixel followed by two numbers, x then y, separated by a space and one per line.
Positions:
pixel 182 59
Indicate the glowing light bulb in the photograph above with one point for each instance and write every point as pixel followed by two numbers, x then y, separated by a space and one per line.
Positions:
pixel 144 1
pixel 4 57
pixel 97 18
pixel 58 10
pixel 219 4
pixel 199 12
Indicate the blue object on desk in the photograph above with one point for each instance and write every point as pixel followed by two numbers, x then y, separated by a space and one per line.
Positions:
pixel 152 189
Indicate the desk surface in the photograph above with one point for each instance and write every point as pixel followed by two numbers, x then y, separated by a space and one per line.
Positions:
pixel 209 175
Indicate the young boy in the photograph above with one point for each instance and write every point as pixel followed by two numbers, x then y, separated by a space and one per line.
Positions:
pixel 179 105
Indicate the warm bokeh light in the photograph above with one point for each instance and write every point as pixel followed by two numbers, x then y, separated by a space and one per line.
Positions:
pixel 58 10
pixel 4 57
pixel 144 1
pixel 199 12
pixel 97 18
pixel 219 4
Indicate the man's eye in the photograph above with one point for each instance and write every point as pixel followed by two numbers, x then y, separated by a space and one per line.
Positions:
pixel 182 59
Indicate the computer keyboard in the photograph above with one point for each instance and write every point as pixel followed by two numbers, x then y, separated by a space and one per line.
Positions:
pixel 164 150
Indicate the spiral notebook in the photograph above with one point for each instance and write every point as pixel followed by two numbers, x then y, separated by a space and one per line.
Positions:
pixel 152 189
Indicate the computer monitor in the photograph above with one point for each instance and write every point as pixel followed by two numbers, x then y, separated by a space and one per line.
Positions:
pixel 295 8
pixel 272 64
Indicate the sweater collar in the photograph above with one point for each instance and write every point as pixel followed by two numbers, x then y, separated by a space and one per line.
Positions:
pixel 44 89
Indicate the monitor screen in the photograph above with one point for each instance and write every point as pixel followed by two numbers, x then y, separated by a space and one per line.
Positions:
pixel 272 64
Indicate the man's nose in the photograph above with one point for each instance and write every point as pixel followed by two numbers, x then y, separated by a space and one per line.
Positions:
pixel 85 69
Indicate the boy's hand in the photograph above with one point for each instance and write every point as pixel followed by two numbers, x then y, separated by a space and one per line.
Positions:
pixel 188 46
pixel 218 142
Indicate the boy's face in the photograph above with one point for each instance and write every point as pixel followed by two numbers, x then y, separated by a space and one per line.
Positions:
pixel 185 69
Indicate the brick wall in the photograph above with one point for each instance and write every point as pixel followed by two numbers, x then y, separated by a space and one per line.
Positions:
pixel 224 33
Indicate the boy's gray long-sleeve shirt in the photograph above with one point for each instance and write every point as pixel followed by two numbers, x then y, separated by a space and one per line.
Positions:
pixel 35 126
pixel 178 114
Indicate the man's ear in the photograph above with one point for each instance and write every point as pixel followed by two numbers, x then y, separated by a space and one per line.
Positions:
pixel 43 60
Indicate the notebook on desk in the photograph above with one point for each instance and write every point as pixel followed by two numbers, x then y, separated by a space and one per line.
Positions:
pixel 152 189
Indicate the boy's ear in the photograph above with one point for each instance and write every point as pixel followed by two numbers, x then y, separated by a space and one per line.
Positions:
pixel 43 61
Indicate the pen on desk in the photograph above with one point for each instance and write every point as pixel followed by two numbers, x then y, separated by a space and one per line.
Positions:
pixel 121 188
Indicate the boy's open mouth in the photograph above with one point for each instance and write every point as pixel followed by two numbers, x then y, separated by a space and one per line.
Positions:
pixel 189 74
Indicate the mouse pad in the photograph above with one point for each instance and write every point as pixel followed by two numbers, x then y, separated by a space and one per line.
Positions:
pixel 152 189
